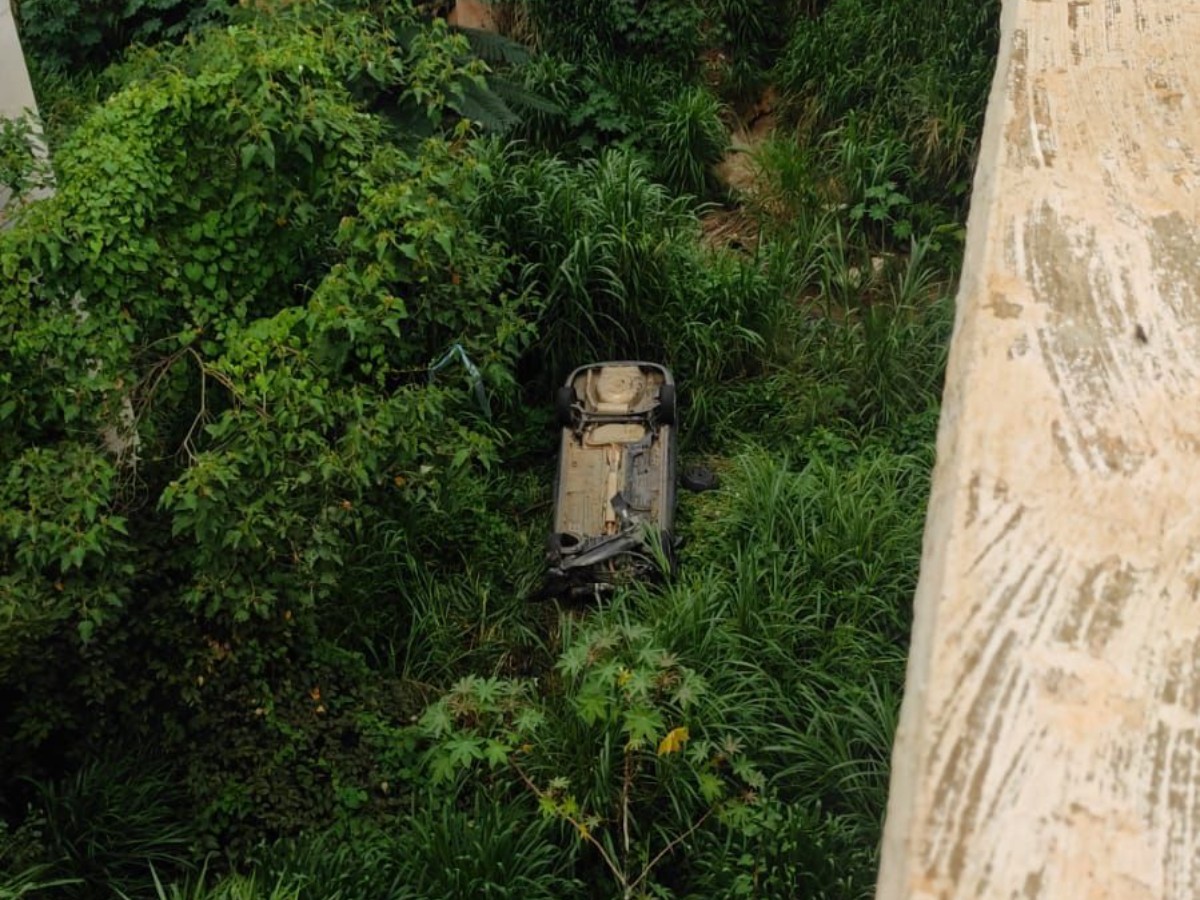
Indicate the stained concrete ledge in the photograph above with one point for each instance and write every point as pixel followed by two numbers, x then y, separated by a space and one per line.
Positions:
pixel 1049 742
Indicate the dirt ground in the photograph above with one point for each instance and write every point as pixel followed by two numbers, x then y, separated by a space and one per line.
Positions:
pixel 732 226
pixel 472 14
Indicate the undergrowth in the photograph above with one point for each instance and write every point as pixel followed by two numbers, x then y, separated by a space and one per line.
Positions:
pixel 398 713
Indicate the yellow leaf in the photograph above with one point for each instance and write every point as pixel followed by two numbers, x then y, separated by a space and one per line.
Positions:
pixel 583 831
pixel 674 741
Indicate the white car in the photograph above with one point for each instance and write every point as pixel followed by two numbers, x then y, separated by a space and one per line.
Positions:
pixel 614 498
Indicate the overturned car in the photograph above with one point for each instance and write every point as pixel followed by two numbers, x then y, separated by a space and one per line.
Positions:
pixel 614 499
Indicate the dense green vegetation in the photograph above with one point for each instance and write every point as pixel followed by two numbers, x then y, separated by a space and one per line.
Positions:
pixel 268 615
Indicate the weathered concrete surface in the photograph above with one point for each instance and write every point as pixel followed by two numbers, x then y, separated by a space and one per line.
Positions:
pixel 1049 743
pixel 16 92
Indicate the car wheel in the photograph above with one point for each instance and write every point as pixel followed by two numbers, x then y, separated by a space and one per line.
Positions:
pixel 564 402
pixel 666 404
pixel 700 478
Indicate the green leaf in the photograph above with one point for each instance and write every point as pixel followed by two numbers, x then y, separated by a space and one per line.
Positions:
pixel 642 725
pixel 640 683
pixel 711 786
pixel 464 750
pixel 575 659
pixel 593 704
pixel 442 768
pixel 488 692
pixel 437 721
pixel 496 753
pixel 528 720
pixel 267 150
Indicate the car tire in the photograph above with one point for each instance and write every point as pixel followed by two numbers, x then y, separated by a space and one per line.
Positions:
pixel 564 402
pixel 666 404
pixel 700 478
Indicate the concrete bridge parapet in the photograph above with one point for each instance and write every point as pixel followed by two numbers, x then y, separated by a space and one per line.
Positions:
pixel 1049 743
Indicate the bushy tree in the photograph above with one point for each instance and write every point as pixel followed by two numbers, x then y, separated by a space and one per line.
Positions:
pixel 67 34
pixel 215 368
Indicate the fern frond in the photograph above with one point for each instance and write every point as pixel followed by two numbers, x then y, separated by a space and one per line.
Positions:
pixel 482 105
pixel 521 98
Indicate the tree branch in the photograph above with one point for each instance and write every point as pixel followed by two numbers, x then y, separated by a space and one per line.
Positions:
pixel 583 830
pixel 649 867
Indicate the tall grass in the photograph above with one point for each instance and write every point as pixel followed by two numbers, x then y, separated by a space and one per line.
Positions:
pixel 111 823
pixel 233 887
pixel 913 77
pixel 483 847
pixel 24 868
pixel 430 603
pixel 615 259
pixel 689 137
pixel 749 35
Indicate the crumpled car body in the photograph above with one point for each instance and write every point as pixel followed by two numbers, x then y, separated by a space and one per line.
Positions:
pixel 614 501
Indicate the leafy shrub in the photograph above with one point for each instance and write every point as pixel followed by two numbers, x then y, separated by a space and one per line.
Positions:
pixel 215 382
pixel 21 169
pixel 605 102
pixel 70 34
pixel 667 32
pixel 633 104
pixel 633 735
pixel 321 743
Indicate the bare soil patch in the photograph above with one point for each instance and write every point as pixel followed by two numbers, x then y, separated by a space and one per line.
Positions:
pixel 734 227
